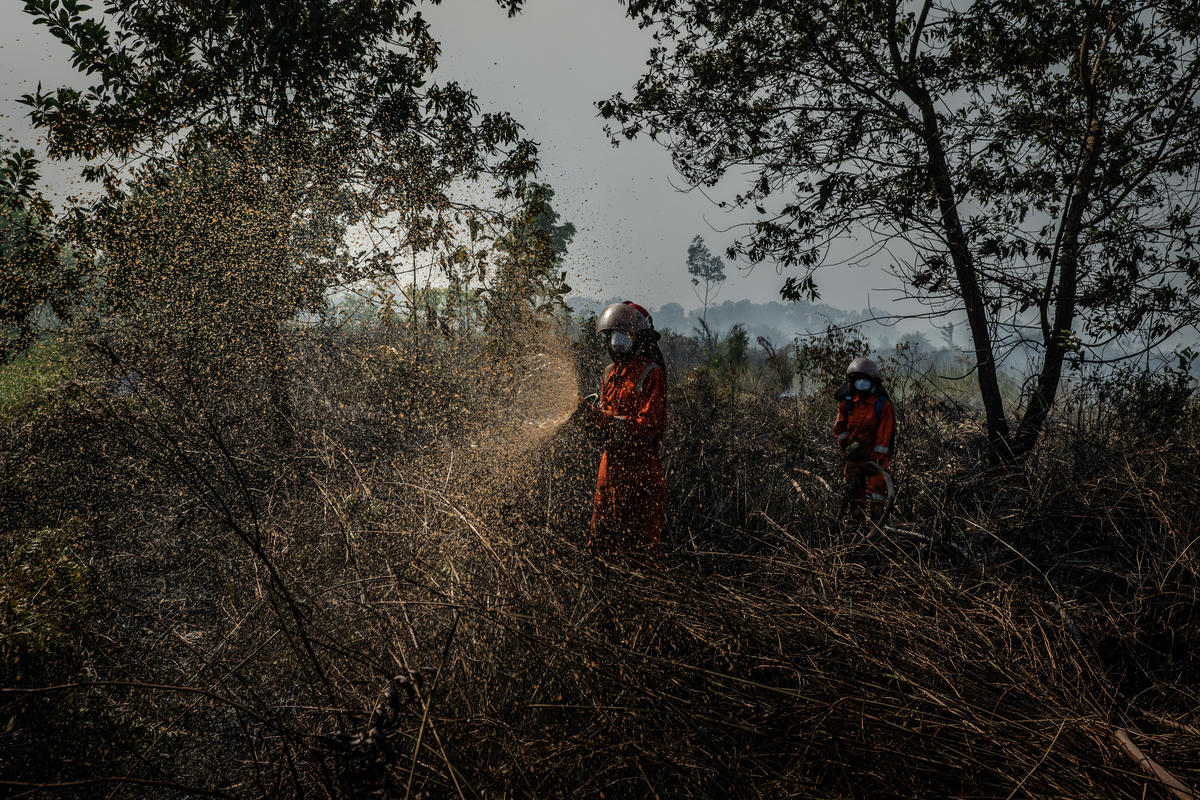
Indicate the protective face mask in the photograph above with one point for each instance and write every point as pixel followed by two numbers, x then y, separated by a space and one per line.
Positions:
pixel 620 342
pixel 863 384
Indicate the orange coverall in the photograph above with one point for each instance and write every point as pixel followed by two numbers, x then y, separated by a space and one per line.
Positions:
pixel 858 422
pixel 628 510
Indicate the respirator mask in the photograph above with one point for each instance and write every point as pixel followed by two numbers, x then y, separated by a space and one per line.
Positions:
pixel 862 384
pixel 620 343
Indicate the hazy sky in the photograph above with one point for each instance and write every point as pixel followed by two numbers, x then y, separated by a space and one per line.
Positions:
pixel 548 66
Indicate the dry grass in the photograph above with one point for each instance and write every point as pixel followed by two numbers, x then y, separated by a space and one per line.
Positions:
pixel 402 606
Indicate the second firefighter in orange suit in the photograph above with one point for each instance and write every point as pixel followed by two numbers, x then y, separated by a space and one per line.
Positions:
pixel 628 509
pixel 865 430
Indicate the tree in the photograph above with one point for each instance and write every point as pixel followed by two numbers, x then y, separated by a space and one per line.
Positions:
pixel 707 270
pixel 529 282
pixel 337 88
pixel 914 341
pixel 325 103
pixel 35 270
pixel 671 316
pixel 1031 164
pixel 201 261
pixel 737 344
pixel 948 335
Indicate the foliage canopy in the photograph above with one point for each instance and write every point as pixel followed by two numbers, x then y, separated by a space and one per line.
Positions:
pixel 1032 164
pixel 340 86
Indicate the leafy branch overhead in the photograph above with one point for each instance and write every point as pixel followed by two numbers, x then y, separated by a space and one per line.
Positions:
pixel 344 78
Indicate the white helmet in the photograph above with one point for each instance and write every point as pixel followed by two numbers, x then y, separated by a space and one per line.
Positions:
pixel 863 366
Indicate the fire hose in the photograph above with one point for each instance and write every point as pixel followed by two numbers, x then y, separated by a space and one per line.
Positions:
pixel 859 479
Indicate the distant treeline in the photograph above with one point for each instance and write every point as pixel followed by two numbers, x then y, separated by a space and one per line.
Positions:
pixel 778 322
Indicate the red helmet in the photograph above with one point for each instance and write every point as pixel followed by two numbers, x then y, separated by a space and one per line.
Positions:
pixel 626 316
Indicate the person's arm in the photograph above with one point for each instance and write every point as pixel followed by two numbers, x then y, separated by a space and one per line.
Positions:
pixel 883 431
pixel 592 413
pixel 841 428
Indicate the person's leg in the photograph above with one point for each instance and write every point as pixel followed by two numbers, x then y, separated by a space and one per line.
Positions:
pixel 876 492
pixel 604 530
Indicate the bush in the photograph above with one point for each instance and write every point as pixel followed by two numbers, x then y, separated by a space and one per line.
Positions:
pixel 30 380
pixel 404 604
pixel 43 596
pixel 1148 402
pixel 821 362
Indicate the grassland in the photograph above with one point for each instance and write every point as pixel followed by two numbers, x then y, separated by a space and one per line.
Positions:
pixel 396 601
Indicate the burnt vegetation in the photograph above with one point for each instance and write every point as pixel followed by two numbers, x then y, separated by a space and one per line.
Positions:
pixel 278 523
pixel 398 601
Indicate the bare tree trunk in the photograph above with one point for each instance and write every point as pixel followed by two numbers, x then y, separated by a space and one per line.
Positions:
pixel 968 282
pixel 956 240
pixel 1057 338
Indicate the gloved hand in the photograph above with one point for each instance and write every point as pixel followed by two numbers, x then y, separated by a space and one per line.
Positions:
pixel 587 411
pixel 854 451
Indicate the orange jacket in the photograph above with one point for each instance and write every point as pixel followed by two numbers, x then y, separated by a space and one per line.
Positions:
pixel 633 401
pixel 868 419
pixel 628 510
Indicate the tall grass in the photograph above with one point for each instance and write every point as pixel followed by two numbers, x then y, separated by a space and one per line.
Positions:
pixel 401 604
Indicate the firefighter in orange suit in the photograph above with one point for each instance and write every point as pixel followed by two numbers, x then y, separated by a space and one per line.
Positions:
pixel 628 510
pixel 865 430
